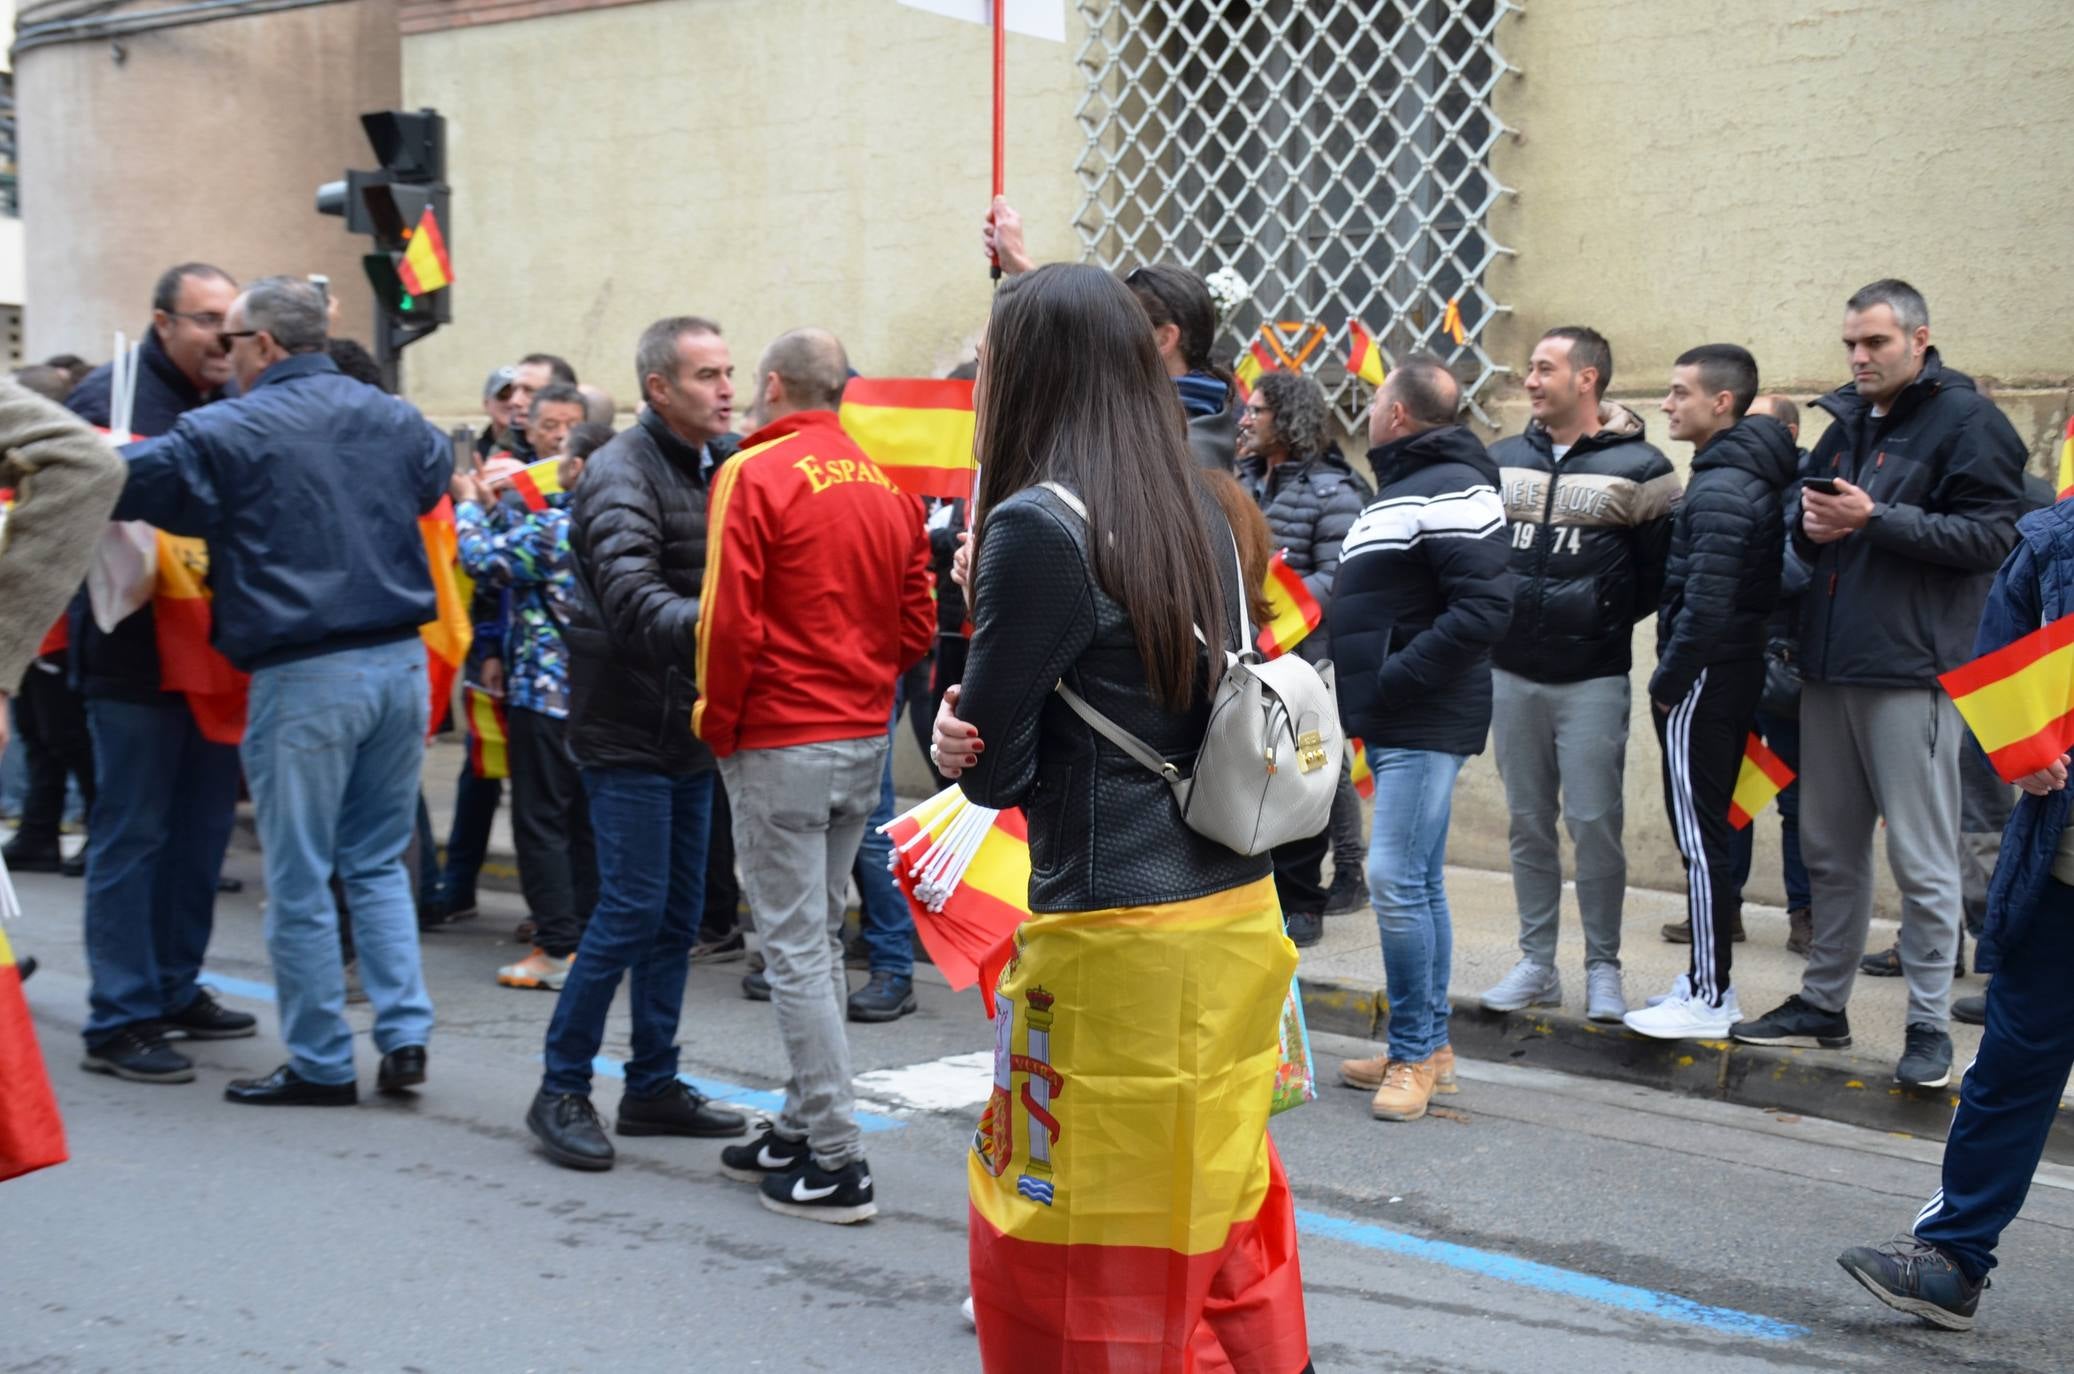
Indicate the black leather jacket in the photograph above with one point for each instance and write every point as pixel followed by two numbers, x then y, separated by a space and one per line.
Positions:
pixel 1104 830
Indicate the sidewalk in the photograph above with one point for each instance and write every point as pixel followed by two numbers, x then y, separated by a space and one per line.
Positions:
pixel 1344 993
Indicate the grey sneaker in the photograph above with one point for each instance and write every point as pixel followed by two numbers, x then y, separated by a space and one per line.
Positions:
pixel 1604 1000
pixel 1528 985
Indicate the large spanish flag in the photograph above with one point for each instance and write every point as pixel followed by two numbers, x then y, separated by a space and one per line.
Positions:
pixel 918 429
pixel 1128 1212
pixel 2019 700
pixel 187 663
pixel 489 733
pixel 1295 612
pixel 448 633
pixel 31 1134
pixel 1763 776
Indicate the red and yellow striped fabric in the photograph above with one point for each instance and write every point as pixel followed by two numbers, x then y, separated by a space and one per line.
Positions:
pixel 489 733
pixel 1295 612
pixel 187 662
pixel 2066 486
pixel 1362 778
pixel 1364 359
pixel 1128 1212
pixel 448 633
pixel 968 940
pixel 1253 364
pixel 32 1135
pixel 2019 700
pixel 535 482
pixel 1763 776
pixel 918 430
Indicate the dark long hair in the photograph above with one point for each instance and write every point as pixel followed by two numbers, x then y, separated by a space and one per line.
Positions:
pixel 1072 391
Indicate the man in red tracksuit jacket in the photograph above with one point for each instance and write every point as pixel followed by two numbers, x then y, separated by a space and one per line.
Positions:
pixel 816 599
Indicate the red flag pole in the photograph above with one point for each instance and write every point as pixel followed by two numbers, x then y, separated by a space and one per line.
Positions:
pixel 1000 108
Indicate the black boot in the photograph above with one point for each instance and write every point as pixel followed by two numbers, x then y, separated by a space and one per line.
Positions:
pixel 567 1127
pixel 678 1110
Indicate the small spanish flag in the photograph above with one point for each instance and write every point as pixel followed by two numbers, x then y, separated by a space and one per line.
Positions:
pixel 535 482
pixel 1295 611
pixel 1364 359
pixel 1252 365
pixel 2066 486
pixel 1763 777
pixel 1364 780
pixel 919 430
pixel 489 733
pixel 426 267
pixel 965 873
pixel 2019 700
pixel 32 1136
pixel 1451 322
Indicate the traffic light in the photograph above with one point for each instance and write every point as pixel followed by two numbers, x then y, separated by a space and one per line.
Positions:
pixel 402 206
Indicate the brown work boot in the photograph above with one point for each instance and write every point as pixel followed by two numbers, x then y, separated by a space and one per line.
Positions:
pixel 1405 1091
pixel 1367 1074
pixel 1680 932
pixel 1800 931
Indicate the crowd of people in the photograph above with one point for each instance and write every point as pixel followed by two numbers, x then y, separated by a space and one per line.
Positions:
pixel 703 641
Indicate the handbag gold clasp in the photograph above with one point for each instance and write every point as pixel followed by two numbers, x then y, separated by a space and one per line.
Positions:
pixel 1310 751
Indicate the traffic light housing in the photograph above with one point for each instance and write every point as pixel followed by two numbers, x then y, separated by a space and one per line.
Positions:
pixel 391 205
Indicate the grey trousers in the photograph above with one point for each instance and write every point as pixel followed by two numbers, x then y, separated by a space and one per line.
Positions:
pixel 1561 750
pixel 799 815
pixel 1868 752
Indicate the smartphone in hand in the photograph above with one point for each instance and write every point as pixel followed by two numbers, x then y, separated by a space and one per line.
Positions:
pixel 1826 485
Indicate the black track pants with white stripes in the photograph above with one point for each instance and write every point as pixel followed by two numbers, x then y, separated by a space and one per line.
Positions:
pixel 1703 738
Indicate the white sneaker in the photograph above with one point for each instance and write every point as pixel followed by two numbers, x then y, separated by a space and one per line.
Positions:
pixel 971 1317
pixel 1681 990
pixel 1682 1016
pixel 1604 1001
pixel 1528 985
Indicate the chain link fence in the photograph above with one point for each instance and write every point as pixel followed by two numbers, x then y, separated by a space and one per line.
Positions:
pixel 1334 153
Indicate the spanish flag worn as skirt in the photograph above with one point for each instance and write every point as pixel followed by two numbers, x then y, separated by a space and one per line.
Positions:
pixel 1128 1211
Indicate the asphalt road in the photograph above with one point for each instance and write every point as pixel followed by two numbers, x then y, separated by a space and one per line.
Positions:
pixel 1543 1223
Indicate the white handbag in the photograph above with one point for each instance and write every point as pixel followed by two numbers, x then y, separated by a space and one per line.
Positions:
pixel 1271 754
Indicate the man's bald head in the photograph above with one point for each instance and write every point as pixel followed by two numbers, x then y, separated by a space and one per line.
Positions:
pixel 805 369
pixel 1780 408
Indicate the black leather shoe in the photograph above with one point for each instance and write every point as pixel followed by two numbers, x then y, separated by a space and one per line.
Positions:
pixel 566 1125
pixel 402 1067
pixel 1305 928
pixel 284 1087
pixel 74 867
pixel 229 884
pixel 33 856
pixel 207 1019
pixel 678 1110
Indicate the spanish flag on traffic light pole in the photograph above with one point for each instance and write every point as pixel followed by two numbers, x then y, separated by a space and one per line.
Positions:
pixel 426 267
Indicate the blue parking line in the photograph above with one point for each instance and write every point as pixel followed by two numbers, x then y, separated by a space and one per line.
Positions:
pixel 238 987
pixel 1549 1279
pixel 743 1096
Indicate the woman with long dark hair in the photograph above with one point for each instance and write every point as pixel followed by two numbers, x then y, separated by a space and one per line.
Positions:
pixel 1128 1210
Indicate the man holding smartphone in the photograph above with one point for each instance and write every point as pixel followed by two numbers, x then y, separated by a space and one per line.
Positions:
pixel 1910 507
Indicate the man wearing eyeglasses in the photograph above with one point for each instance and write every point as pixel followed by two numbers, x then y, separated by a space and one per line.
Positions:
pixel 164 795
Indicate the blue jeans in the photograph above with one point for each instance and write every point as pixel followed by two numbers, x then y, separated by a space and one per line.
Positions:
pixel 887 926
pixel 1414 794
pixel 164 801
pixel 333 748
pixel 652 831
pixel 2011 1095
pixel 1782 735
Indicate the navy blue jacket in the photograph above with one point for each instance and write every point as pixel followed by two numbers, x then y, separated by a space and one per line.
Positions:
pixel 123 663
pixel 1423 593
pixel 308 489
pixel 2034 588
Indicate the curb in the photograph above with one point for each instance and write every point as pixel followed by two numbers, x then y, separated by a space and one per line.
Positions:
pixel 1834 1085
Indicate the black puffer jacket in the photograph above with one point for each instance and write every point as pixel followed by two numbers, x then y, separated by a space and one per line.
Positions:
pixel 1310 504
pixel 1104 830
pixel 1896 603
pixel 1589 538
pixel 638 529
pixel 1727 542
pixel 1423 593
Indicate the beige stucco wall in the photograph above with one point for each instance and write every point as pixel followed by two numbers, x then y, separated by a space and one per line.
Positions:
pixel 769 163
pixel 204 142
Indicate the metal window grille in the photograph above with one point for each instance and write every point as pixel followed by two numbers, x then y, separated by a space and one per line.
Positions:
pixel 1334 153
